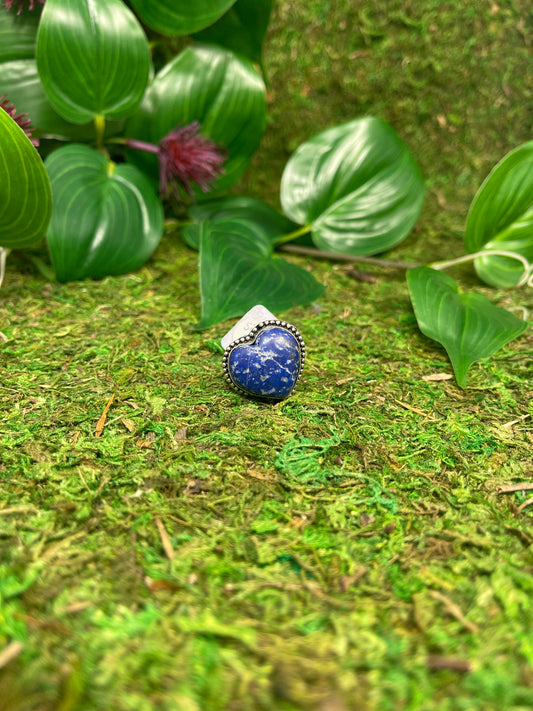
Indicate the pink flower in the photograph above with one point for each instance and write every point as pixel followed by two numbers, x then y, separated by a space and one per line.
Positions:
pixel 20 119
pixel 21 3
pixel 186 157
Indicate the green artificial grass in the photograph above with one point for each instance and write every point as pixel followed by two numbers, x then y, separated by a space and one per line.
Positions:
pixel 168 544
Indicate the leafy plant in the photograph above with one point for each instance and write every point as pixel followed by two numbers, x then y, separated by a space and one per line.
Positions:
pixel 178 128
pixel 154 127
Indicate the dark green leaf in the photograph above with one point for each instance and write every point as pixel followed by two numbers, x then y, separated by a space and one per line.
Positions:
pixel 260 214
pixel 180 17
pixel 25 194
pixel 93 58
pixel 210 85
pixel 468 325
pixel 107 218
pixel 501 218
pixel 20 81
pixel 242 29
pixel 17 34
pixel 238 271
pixel 356 185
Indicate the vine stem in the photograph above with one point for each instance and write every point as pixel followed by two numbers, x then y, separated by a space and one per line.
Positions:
pixel 170 223
pixel 527 277
pixel 337 256
pixel 292 235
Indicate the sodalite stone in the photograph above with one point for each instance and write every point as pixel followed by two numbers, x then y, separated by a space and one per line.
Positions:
pixel 269 366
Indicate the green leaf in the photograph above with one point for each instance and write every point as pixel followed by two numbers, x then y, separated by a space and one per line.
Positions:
pixel 25 193
pixel 17 34
pixel 210 85
pixel 107 218
pixel 468 325
pixel 93 58
pixel 501 218
pixel 263 216
pixel 180 17
pixel 19 79
pixel 356 185
pixel 238 270
pixel 242 29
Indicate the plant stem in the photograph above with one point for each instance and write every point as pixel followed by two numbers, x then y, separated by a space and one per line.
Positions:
pixel 170 223
pixel 292 235
pixel 141 145
pixel 99 127
pixel 336 256
pixel 3 256
pixel 528 267
pixel 44 269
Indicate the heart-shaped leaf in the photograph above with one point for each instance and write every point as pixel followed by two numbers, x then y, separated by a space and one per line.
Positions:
pixel 238 270
pixel 468 325
pixel 93 58
pixel 214 87
pixel 20 80
pixel 271 223
pixel 356 185
pixel 107 218
pixel 501 218
pixel 17 34
pixel 25 193
pixel 242 29
pixel 180 17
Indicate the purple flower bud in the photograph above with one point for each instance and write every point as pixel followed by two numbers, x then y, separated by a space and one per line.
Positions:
pixel 21 119
pixel 185 157
pixel 21 3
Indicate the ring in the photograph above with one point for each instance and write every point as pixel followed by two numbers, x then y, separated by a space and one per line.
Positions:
pixel 263 356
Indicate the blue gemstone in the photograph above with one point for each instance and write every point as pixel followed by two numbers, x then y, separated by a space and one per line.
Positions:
pixel 269 366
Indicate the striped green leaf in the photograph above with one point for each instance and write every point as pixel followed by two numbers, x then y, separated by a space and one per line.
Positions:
pixel 180 17
pixel 17 34
pixel 210 85
pixel 501 218
pixel 468 325
pixel 93 58
pixel 255 212
pixel 20 80
pixel 356 186
pixel 239 270
pixel 25 194
pixel 107 218
pixel 242 29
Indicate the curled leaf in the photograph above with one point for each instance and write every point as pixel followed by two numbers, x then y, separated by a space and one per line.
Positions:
pixel 501 218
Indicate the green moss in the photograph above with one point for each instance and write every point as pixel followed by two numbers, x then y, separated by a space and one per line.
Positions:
pixel 207 552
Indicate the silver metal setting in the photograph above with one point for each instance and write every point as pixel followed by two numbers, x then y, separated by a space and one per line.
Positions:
pixel 249 337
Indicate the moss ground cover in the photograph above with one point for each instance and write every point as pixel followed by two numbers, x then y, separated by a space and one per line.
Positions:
pixel 166 544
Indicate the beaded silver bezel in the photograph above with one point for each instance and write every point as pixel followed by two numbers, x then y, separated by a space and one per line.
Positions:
pixel 251 338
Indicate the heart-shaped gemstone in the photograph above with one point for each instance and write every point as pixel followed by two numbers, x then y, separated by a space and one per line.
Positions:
pixel 269 366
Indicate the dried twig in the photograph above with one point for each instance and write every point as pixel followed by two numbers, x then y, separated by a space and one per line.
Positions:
pixel 436 662
pixel 523 505
pixel 12 650
pixel 337 257
pixel 103 417
pixel 510 488
pixel 454 610
pixel 414 409
pixel 165 538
